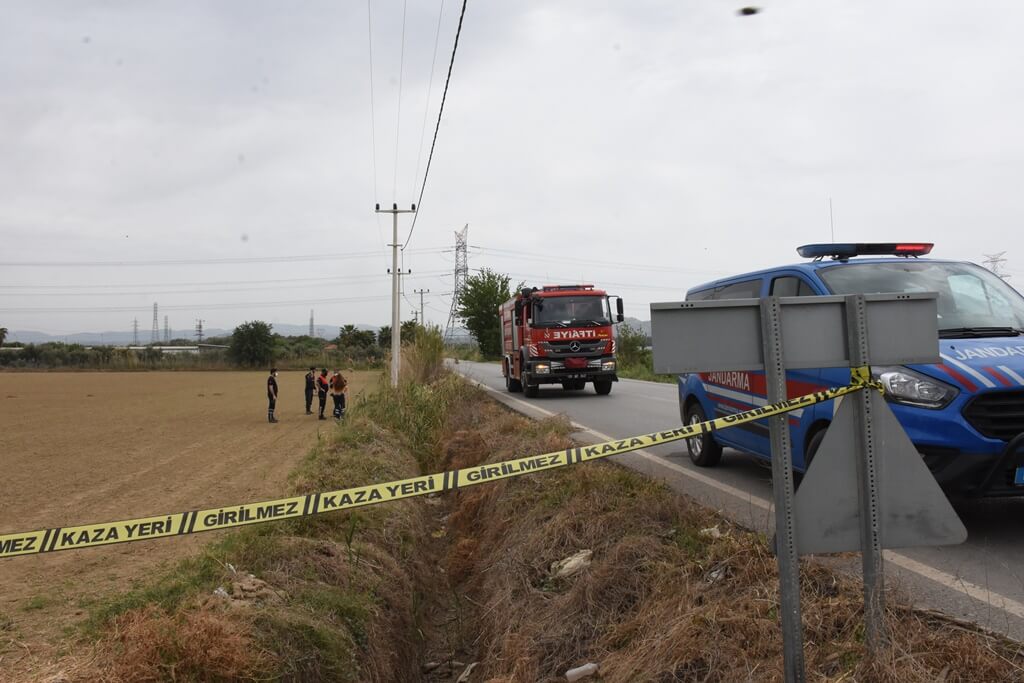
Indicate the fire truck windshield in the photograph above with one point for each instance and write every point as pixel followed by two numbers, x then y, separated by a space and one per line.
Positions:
pixel 566 311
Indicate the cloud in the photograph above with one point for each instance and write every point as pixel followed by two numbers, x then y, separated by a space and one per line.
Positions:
pixel 674 134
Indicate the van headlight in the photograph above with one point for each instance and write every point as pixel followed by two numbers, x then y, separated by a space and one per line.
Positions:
pixel 903 385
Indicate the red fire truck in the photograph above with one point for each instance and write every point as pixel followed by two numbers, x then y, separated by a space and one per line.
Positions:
pixel 559 334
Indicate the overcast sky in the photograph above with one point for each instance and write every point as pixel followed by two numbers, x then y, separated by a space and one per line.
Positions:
pixel 642 146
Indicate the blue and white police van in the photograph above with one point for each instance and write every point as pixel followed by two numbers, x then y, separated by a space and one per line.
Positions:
pixel 964 414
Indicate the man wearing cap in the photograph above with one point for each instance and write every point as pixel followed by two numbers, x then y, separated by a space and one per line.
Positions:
pixel 322 385
pixel 271 395
pixel 310 388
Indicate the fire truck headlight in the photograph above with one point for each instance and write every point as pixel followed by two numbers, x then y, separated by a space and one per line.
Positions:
pixel 608 366
pixel 542 368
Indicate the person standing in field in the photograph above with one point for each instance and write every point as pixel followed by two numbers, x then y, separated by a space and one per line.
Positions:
pixel 272 395
pixel 339 387
pixel 322 386
pixel 310 388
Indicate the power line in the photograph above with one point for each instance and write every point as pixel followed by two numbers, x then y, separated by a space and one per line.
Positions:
pixel 994 262
pixel 601 283
pixel 373 122
pixel 267 285
pixel 205 306
pixel 559 258
pixel 430 89
pixel 440 111
pixel 209 261
pixel 398 118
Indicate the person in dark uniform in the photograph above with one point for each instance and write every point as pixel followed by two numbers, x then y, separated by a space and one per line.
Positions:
pixel 310 388
pixel 322 386
pixel 271 395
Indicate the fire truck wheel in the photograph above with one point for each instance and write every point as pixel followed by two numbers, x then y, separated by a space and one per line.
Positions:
pixel 603 387
pixel 704 450
pixel 512 384
pixel 531 390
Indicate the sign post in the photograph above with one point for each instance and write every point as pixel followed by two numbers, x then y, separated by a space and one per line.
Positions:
pixel 867 488
pixel 782 489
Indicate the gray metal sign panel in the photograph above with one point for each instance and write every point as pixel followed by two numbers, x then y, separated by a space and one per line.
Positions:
pixel 710 336
pixel 696 336
pixel 913 509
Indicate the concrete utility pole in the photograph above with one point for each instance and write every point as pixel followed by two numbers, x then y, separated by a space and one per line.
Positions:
pixel 396 323
pixel 421 292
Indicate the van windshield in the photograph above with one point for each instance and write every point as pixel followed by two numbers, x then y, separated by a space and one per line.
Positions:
pixel 973 302
pixel 566 311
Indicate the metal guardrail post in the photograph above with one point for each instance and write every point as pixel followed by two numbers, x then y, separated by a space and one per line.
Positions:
pixel 867 476
pixel 782 488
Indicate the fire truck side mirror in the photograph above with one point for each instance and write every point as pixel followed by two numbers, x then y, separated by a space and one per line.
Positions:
pixel 619 310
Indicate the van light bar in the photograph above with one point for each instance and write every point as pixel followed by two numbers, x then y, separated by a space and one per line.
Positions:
pixel 848 250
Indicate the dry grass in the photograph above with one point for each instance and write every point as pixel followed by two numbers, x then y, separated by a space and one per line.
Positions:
pixel 661 601
pixel 206 644
pixel 358 596
pixel 334 597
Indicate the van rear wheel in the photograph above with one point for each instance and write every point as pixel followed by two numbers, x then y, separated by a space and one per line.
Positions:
pixel 704 451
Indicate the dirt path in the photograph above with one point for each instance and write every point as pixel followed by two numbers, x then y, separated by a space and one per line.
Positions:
pixel 89 447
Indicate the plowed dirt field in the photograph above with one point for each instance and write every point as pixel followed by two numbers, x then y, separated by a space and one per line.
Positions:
pixel 85 447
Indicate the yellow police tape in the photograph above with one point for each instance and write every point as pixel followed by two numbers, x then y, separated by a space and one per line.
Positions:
pixel 196 521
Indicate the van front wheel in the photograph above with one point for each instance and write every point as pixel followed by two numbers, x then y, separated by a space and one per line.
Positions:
pixel 703 449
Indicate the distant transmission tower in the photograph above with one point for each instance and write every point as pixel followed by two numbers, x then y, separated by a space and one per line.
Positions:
pixel 199 331
pixel 311 328
pixel 167 331
pixel 994 262
pixel 135 331
pixel 461 273
pixel 154 335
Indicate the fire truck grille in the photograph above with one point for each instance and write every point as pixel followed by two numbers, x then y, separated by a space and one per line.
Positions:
pixel 558 349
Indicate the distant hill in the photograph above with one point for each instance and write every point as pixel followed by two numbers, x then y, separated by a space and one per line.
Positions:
pixel 637 324
pixel 126 337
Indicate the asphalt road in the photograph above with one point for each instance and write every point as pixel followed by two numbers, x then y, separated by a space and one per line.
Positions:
pixel 981 580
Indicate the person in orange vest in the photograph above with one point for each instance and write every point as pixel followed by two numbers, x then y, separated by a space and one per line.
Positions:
pixel 322 386
pixel 339 387
pixel 272 395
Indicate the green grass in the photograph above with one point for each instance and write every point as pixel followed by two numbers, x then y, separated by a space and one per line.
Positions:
pixel 36 602
pixel 644 372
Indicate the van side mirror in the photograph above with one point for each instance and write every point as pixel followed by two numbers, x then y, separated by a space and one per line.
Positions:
pixel 619 310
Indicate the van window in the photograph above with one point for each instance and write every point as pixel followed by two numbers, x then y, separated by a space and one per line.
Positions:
pixel 970 297
pixel 751 289
pixel 791 286
pixel 702 295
